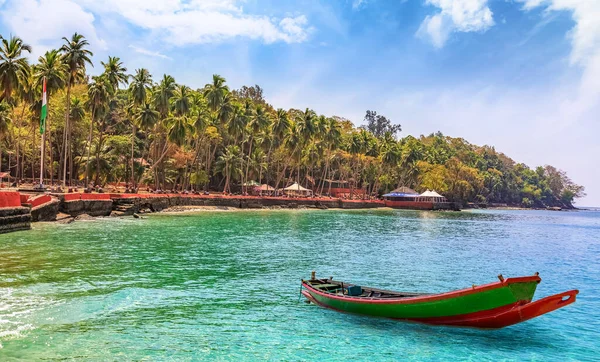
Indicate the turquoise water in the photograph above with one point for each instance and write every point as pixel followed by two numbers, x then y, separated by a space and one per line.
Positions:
pixel 224 285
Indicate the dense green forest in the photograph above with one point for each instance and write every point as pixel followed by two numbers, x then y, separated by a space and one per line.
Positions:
pixel 128 126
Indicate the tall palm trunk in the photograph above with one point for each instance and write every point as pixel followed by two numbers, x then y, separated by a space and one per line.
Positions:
pixel 248 161
pixel 132 161
pixel 100 139
pixel 66 133
pixel 89 146
pixel 19 142
pixel 33 156
pixel 226 177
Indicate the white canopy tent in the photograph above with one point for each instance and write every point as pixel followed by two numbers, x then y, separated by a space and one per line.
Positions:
pixel 296 189
pixel 431 196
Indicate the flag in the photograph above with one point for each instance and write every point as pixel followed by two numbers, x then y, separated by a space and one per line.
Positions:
pixel 44 110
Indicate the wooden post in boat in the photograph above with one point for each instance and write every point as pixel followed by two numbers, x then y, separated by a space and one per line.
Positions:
pixel 313 275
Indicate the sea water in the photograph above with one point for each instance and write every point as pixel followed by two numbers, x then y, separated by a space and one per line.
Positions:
pixel 224 286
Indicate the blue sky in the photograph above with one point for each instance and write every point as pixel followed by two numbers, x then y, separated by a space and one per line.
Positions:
pixel 522 75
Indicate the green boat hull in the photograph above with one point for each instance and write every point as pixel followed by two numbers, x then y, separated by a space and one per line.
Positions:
pixel 467 301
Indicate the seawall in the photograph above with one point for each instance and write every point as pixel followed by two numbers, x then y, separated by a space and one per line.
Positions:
pixel 13 215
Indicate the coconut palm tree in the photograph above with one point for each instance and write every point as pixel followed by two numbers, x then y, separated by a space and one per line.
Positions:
pixel 215 92
pixel 230 164
pixel 5 121
pixel 139 89
pixel 182 100
pixel 27 93
pixel 50 67
pixel 144 118
pixel 332 138
pixel 99 93
pixel 77 110
pixel 76 57
pixel 237 124
pixel 306 122
pixel 256 124
pixel 115 72
pixel 162 94
pixel 178 129
pixel 161 100
pixel 14 67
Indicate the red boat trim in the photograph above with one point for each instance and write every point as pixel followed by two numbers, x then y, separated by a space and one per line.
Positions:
pixel 492 318
pixel 426 298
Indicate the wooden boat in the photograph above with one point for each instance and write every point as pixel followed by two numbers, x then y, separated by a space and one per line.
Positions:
pixel 494 305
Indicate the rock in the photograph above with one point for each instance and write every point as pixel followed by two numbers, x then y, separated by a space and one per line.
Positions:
pixel 84 217
pixel 117 213
pixel 61 216
pixel 66 220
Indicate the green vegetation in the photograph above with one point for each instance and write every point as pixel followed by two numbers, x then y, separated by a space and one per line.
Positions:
pixel 117 127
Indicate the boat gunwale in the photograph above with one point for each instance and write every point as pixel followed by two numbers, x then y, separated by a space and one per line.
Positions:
pixel 424 298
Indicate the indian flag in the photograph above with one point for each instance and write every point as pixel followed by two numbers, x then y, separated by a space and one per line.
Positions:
pixel 44 110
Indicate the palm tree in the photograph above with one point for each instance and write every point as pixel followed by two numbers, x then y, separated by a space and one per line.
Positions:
pixel 145 118
pixel 230 163
pixel 161 100
pixel 306 122
pixel 258 122
pixel 215 92
pixel 182 100
pixel 237 124
pixel 178 129
pixel 332 138
pixel 5 121
pixel 279 128
pixel 162 94
pixel 51 68
pixel 99 92
pixel 14 67
pixel 115 72
pixel 139 88
pixel 77 110
pixel 75 56
pixel 27 94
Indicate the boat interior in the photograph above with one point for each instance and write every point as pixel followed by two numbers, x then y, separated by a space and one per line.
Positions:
pixel 352 290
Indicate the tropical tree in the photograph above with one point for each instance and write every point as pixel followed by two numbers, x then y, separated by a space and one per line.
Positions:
pixel 14 67
pixel 115 72
pixel 99 93
pixel 230 164
pixel 215 92
pixel 139 89
pixel 51 68
pixel 5 121
pixel 76 57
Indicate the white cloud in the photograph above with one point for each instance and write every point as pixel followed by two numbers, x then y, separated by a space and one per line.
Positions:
pixel 177 22
pixel 585 53
pixel 455 16
pixel 356 4
pixel 148 52
pixel 202 21
pixel 43 22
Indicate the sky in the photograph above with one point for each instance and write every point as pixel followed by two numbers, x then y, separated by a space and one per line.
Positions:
pixel 520 75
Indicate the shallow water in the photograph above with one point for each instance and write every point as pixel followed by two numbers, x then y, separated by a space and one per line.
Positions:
pixel 225 285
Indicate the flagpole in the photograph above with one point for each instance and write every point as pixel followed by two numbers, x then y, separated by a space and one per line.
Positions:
pixel 42 160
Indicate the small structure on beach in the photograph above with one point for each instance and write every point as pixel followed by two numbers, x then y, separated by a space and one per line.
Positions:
pixel 431 196
pixel 407 198
pixel 264 189
pixel 296 190
pixel 339 188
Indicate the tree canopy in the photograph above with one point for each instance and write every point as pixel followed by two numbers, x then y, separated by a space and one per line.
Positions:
pixel 153 131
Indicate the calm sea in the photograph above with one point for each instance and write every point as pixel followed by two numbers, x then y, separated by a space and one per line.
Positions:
pixel 225 285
